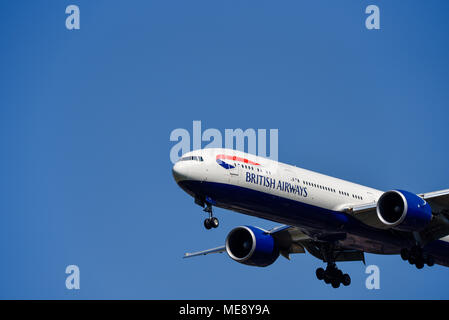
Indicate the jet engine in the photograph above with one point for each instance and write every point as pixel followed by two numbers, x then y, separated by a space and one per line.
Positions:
pixel 403 210
pixel 251 246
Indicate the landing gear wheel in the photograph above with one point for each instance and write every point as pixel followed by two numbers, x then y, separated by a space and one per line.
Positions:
pixel 405 254
pixel 214 222
pixel 320 273
pixel 346 280
pixel 416 256
pixel 210 222
pixel 333 276
pixel 430 261
pixel 207 224
pixel 339 274
pixel 335 283
pixel 419 264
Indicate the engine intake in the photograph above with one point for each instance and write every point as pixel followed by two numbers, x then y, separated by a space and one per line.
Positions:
pixel 403 210
pixel 251 246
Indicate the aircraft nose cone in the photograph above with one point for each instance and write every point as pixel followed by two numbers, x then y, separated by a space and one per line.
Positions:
pixel 179 171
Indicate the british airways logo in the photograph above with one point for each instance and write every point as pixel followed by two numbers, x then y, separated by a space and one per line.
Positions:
pixel 219 158
pixel 224 164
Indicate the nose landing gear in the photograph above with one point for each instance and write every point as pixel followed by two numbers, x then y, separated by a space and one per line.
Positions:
pixel 211 222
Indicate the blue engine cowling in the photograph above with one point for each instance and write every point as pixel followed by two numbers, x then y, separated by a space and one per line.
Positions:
pixel 403 210
pixel 251 246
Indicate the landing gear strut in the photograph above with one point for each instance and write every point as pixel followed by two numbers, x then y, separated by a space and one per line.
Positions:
pixel 334 276
pixel 415 256
pixel 211 222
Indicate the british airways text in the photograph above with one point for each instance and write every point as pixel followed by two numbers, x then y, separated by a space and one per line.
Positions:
pixel 280 185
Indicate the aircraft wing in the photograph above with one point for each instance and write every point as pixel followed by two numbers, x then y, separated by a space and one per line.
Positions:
pixel 438 200
pixel 292 240
pixel 286 236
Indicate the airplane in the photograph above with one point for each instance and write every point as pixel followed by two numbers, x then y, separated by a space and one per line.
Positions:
pixel 332 219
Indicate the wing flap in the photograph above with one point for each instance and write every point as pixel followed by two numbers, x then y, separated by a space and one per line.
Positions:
pixel 367 214
pixel 339 255
pixel 289 240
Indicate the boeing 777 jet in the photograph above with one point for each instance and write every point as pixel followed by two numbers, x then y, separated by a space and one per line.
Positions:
pixel 332 219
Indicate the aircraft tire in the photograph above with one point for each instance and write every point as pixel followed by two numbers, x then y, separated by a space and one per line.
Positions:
pixel 335 283
pixel 214 222
pixel 346 280
pixel 207 224
pixel 320 273
pixel 405 254
pixel 419 264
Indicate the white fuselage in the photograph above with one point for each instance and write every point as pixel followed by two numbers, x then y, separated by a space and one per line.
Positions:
pixel 258 174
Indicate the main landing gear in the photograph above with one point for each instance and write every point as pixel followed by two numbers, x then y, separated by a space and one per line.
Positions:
pixel 334 276
pixel 211 222
pixel 415 256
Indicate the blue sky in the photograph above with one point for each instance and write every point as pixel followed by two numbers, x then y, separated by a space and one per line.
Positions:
pixel 86 115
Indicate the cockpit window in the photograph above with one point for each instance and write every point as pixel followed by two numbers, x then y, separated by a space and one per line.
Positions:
pixel 192 158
